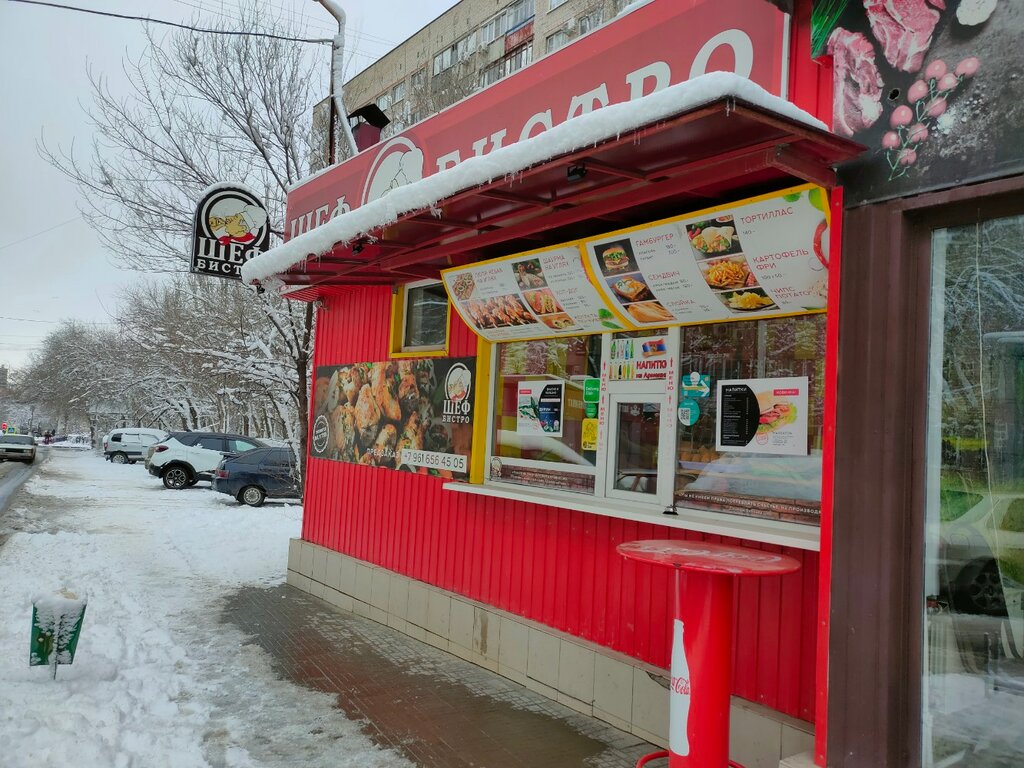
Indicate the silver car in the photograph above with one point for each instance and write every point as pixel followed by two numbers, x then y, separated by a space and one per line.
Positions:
pixel 17 448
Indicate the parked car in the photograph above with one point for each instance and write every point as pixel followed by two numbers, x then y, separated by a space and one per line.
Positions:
pixel 185 458
pixel 17 448
pixel 253 477
pixel 128 445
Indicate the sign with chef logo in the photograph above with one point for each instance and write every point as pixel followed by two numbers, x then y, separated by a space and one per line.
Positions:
pixel 414 415
pixel 763 416
pixel 230 228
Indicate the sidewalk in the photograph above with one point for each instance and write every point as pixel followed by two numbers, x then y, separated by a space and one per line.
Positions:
pixel 434 708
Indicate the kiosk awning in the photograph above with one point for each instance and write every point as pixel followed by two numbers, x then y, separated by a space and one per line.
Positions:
pixel 694 158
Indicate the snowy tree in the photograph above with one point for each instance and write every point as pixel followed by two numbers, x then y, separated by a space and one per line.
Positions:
pixel 206 108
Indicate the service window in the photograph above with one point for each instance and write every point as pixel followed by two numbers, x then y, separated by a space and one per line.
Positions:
pixel 764 484
pixel 420 319
pixel 537 432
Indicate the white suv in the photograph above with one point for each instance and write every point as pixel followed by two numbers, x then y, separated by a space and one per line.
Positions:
pixel 185 458
pixel 128 445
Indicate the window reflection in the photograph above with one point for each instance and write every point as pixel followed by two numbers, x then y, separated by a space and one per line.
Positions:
pixel 974 563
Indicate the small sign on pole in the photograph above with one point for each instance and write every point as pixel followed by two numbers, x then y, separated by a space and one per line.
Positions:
pixel 56 625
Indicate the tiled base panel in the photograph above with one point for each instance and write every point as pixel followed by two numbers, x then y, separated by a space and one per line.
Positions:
pixel 586 677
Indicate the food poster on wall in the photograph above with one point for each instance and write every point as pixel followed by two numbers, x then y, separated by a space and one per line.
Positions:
pixel 639 359
pixel 763 257
pixel 539 408
pixel 763 416
pixel 543 294
pixel 414 415
pixel 932 89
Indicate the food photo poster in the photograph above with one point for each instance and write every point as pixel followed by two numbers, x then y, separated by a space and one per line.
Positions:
pixel 414 415
pixel 763 416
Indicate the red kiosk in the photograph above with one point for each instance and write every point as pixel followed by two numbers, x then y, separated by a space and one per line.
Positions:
pixel 699 693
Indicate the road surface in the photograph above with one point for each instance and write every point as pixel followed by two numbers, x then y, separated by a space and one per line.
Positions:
pixel 12 475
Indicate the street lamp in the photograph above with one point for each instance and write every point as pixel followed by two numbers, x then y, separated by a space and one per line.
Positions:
pixel 337 80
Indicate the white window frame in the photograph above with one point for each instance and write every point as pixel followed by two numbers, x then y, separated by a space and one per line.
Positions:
pixel 562 35
pixel 399 345
pixel 553 4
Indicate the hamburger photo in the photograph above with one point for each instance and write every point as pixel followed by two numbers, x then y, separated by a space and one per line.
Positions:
pixel 615 259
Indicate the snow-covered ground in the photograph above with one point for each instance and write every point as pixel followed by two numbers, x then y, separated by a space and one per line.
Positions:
pixel 157 679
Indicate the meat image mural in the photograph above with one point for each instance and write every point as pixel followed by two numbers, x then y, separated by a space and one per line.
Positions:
pixel 414 415
pixel 932 88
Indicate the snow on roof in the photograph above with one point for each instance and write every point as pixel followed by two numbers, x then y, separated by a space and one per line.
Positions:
pixel 584 130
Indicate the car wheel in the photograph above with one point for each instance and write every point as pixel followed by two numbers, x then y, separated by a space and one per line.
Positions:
pixel 193 481
pixel 979 589
pixel 118 458
pixel 252 495
pixel 176 478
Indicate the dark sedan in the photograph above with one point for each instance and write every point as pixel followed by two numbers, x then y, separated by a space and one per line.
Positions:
pixel 258 475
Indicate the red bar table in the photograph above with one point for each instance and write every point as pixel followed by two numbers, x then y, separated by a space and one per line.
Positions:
pixel 702 655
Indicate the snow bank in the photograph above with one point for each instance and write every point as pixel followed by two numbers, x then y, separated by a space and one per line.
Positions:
pixel 158 680
pixel 582 131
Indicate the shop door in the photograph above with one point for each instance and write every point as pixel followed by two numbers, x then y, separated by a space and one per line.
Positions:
pixel 973 676
pixel 639 456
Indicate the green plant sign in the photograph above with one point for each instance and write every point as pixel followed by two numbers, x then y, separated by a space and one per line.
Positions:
pixel 56 626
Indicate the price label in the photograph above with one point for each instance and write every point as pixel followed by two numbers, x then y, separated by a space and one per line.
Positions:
pixel 452 462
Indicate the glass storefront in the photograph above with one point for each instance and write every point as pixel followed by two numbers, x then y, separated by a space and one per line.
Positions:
pixel 973 687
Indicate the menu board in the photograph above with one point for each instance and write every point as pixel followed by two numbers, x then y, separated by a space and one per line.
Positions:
pixel 763 416
pixel 530 296
pixel 763 257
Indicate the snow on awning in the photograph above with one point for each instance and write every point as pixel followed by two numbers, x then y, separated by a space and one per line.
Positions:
pixel 353 232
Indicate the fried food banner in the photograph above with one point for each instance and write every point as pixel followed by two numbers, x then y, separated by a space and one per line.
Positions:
pixel 762 257
pixel 414 415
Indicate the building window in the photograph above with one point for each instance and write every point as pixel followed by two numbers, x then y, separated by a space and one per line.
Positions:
pixel 557 40
pixel 457 52
pixel 442 61
pixel 420 318
pixel 384 100
pixel 552 4
pixel 590 21
pixel 511 17
pixel 398 93
pixel 530 376
pixel 513 62
pixel 419 79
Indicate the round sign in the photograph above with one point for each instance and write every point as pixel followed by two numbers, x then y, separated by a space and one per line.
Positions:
pixel 321 434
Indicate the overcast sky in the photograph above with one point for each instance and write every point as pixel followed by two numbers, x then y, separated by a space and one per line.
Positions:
pixel 51 264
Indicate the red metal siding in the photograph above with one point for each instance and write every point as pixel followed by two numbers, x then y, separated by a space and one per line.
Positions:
pixel 555 566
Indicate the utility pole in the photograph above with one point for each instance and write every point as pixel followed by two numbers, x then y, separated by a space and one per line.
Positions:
pixel 338 111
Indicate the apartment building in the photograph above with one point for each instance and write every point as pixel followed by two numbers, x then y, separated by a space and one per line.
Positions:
pixel 469 47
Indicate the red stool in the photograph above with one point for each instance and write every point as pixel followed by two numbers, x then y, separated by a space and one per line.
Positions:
pixel 702 657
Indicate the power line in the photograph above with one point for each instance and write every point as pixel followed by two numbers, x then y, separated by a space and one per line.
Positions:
pixel 148 20
pixel 29 320
pixel 40 232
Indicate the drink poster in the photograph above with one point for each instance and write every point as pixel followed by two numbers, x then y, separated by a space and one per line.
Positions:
pixel 414 415
pixel 639 359
pixel 530 296
pixel 539 408
pixel 763 416
pixel 763 257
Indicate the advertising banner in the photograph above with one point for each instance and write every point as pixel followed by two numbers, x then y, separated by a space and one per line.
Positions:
pixel 762 257
pixel 230 227
pixel 763 416
pixel 643 359
pixel 646 50
pixel 529 296
pixel 933 90
pixel 414 415
pixel 539 408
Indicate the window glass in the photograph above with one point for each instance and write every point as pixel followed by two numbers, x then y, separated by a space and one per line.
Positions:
pixel 384 100
pixel 237 445
pixel 552 4
pixel 973 687
pixel 636 446
pixel 116 437
pixel 210 443
pixel 523 368
pixel 398 93
pixel 419 78
pixel 557 40
pixel 588 23
pixel 426 317
pixel 759 485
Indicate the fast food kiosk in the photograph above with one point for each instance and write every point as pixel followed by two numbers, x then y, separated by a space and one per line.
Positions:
pixel 594 302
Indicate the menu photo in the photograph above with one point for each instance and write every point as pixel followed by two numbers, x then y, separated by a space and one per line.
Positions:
pixel 725 267
pixel 618 264
pixel 763 416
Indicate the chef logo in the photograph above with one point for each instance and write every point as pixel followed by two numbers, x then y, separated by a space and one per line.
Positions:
pixel 230 228
pixel 458 383
pixel 398 163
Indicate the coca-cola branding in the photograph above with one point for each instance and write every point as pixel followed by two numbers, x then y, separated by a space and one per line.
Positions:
pixel 679 695
pixel 645 51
